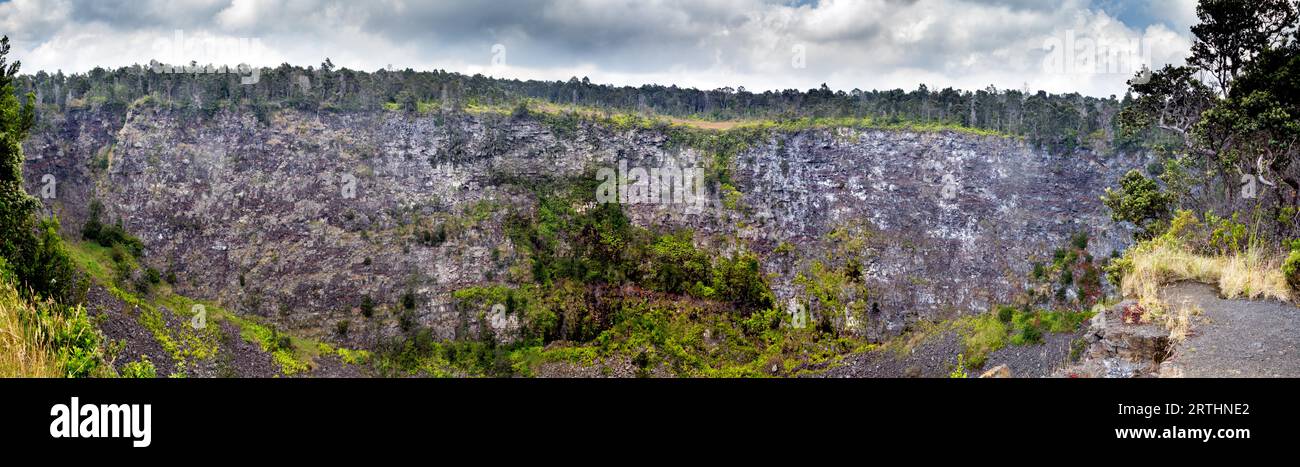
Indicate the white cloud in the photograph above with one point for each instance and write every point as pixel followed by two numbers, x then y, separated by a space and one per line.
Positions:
pixel 240 14
pixel 848 44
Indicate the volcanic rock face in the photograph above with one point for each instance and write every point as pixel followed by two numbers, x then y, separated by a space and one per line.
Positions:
pixel 958 217
pixel 297 217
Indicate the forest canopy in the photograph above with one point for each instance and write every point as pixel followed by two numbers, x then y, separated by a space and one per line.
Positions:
pixel 1058 121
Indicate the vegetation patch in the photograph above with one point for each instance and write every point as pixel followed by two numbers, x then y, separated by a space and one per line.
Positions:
pixel 142 368
pixel 177 336
pixel 595 289
pixel 1203 252
pixel 1291 267
pixel 43 338
pixel 1007 325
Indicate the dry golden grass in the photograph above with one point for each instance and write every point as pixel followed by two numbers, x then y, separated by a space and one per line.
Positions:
pixel 1179 320
pixel 22 353
pixel 1252 274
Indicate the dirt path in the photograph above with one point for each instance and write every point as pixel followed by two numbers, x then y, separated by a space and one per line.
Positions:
pixel 1235 338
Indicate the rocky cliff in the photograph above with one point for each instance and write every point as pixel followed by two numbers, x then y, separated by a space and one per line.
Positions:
pixel 297 216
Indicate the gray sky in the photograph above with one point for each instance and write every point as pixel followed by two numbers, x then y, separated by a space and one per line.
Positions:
pixel 1087 46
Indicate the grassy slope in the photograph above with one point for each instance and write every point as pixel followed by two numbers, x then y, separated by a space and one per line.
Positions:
pixel 186 342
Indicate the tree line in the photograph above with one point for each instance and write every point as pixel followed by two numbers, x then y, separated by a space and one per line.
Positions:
pixel 1059 121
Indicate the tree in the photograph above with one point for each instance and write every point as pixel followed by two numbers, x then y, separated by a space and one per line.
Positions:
pixel 678 264
pixel 740 280
pixel 1170 99
pixel 1231 33
pixel 17 209
pixel 1242 125
pixel 31 246
pixel 1139 201
pixel 1261 121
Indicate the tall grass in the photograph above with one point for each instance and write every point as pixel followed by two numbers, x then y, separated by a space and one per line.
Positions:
pixel 24 343
pixel 1251 274
pixel 1253 271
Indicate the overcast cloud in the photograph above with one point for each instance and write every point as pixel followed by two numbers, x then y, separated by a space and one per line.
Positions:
pixel 865 44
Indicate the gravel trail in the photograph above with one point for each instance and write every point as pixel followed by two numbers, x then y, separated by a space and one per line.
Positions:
pixel 1236 338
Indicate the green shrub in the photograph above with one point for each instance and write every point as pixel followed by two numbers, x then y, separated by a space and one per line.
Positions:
pixel 1117 268
pixel 143 286
pixel 109 235
pixel 432 238
pixel 678 264
pixel 367 306
pixel 959 371
pixel 406 320
pixel 1032 335
pixel 408 300
pixel 142 368
pixel 92 228
pixel 341 327
pixel 520 111
pixel 50 272
pixel 1005 313
pixel 740 280
pixel 1227 235
pixel 1141 202
pixel 74 337
pixel 759 322
pixel 1080 240
pixel 1291 268
pixel 1287 214
pixel 981 336
pixel 272 340
pixel 1029 334
pixel 145 282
